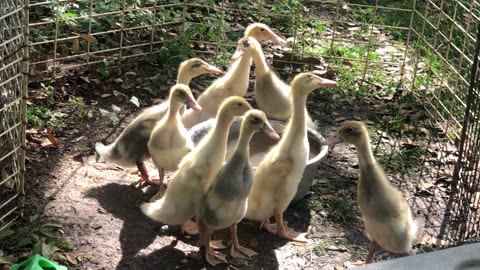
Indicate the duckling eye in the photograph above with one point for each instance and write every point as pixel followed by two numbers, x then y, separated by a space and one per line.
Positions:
pixel 309 76
pixel 239 104
pixel 262 29
pixel 246 43
pixel 196 65
pixel 182 94
pixel 350 130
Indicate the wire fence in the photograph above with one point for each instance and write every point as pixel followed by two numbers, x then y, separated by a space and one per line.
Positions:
pixel 422 47
pixel 13 87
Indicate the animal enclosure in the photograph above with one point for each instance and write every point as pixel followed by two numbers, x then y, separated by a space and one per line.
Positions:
pixel 421 51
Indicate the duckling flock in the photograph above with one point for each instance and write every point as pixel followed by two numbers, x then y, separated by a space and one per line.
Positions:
pixel 208 193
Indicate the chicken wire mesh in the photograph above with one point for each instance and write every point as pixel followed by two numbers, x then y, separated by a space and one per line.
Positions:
pixel 12 109
pixel 422 47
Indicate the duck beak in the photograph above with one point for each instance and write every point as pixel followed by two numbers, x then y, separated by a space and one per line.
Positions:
pixel 192 103
pixel 214 70
pixel 267 129
pixel 237 54
pixel 332 140
pixel 277 39
pixel 327 83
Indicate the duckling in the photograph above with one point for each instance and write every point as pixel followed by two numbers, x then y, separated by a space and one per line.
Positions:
pixel 276 178
pixel 233 83
pixel 196 171
pixel 130 148
pixel 262 32
pixel 387 217
pixel 168 142
pixel 271 93
pixel 225 202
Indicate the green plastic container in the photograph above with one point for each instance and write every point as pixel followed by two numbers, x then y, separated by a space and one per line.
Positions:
pixel 37 262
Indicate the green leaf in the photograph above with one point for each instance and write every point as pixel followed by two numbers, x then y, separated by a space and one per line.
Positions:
pixel 23 242
pixel 135 101
pixel 34 218
pixel 53 223
pixel 48 232
pixel 63 244
pixel 6 232
pixel 47 250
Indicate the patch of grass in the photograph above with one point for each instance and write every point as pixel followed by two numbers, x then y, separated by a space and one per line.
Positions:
pixel 400 160
pixel 80 108
pixel 38 115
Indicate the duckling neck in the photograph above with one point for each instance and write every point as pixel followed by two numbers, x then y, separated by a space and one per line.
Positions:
pixel 261 67
pixel 184 78
pixel 220 131
pixel 240 69
pixel 365 154
pixel 173 109
pixel 298 120
pixel 243 142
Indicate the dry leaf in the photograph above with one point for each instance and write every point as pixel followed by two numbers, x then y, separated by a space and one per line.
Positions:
pixel 78 139
pixel 106 95
pixel 119 95
pixel 50 136
pixel 89 38
pixel 253 243
pixel 75 46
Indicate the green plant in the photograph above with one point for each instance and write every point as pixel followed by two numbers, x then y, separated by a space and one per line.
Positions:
pixel 38 115
pixel 80 108
pixel 400 160
pixel 34 236
pixel 49 92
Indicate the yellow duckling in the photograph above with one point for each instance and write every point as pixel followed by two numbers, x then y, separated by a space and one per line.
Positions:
pixel 195 172
pixel 277 177
pixel 387 217
pixel 168 142
pixel 271 93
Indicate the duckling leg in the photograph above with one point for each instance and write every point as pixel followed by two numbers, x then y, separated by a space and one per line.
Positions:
pixel 237 251
pixel 371 252
pixel 144 174
pixel 287 233
pixel 211 256
pixel 272 228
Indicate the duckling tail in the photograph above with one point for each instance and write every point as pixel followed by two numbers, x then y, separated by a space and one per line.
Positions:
pixel 154 210
pixel 107 152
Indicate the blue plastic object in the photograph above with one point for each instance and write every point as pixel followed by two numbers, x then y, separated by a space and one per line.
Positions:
pixel 37 262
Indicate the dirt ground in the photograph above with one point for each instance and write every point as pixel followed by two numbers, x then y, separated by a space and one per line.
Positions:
pixel 99 207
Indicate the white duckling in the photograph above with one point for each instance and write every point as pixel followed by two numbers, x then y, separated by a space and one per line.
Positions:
pixel 225 203
pixel 196 171
pixel 277 177
pixel 168 142
pixel 387 217
pixel 130 148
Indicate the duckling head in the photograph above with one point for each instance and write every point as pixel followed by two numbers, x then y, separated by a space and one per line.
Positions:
pixel 246 46
pixel 181 94
pixel 262 32
pixel 256 120
pixel 352 132
pixel 196 67
pixel 305 83
pixel 234 106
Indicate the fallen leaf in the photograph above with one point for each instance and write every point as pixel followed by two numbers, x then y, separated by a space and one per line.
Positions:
pixel 106 95
pixel 119 95
pixel 115 108
pixel 50 136
pixel 78 139
pixel 340 119
pixel 89 38
pixel 112 115
pixel 75 46
pixel 253 242
pixel 135 101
